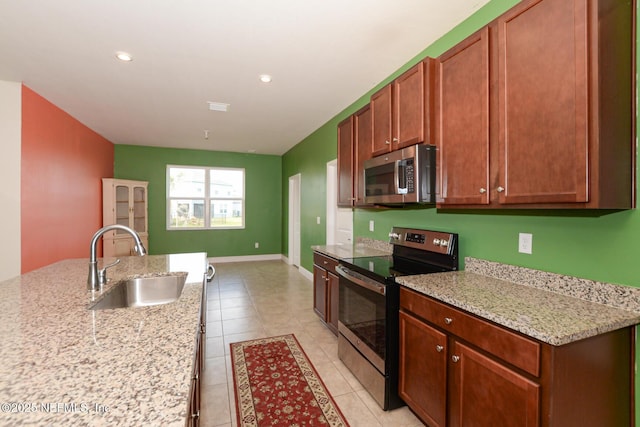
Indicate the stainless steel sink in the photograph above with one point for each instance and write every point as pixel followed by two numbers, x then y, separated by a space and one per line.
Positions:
pixel 143 291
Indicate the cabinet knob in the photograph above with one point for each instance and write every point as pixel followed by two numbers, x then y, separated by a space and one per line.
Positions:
pixel 500 189
pixel 448 320
pixel 483 190
pixel 387 142
pixel 439 348
pixel 325 262
pixel 455 358
pixel 395 140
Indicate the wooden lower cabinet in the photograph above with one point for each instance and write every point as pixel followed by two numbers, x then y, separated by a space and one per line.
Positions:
pixel 195 401
pixel 485 392
pixel 457 369
pixel 325 290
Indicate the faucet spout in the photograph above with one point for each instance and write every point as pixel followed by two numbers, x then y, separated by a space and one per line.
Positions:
pixel 95 280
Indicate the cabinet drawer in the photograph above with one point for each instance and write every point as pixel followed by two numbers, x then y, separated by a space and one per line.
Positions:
pixel 325 262
pixel 508 346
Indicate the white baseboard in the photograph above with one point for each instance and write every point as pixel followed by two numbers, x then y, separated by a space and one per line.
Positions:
pixel 243 258
pixel 306 273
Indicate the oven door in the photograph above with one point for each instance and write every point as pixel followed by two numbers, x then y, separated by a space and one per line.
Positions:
pixel 362 315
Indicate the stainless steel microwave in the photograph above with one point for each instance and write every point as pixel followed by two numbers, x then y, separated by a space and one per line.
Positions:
pixel 402 176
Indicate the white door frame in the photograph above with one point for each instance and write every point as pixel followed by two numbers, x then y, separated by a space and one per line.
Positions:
pixel 294 219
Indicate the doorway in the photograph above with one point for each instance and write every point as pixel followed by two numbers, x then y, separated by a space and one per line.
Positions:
pixel 294 219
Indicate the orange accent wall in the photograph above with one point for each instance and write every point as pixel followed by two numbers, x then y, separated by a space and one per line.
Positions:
pixel 63 162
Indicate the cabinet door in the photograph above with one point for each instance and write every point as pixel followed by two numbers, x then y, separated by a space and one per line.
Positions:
pixel 320 291
pixel 462 121
pixel 543 103
pixel 408 107
pixel 381 111
pixel 333 300
pixel 345 163
pixel 484 392
pixel 363 151
pixel 423 363
pixel 138 220
pixel 123 206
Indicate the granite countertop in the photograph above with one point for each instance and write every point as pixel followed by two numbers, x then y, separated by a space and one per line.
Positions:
pixel 549 313
pixel 63 364
pixel 362 248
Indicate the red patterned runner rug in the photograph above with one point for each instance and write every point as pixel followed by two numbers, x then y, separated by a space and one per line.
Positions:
pixel 276 385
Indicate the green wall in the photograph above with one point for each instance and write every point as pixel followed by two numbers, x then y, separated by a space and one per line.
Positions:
pixel 603 246
pixel 596 245
pixel 263 174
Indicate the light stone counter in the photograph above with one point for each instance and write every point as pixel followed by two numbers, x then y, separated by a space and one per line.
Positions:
pixel 62 364
pixel 362 248
pixel 552 308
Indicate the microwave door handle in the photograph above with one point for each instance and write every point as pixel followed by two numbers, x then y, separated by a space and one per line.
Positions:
pixel 400 171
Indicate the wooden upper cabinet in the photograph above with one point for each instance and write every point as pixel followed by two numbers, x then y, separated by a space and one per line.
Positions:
pixel 537 110
pixel 345 163
pixel 363 150
pixel 462 114
pixel 543 103
pixel 401 110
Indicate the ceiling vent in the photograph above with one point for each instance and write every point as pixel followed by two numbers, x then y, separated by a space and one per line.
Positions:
pixel 218 106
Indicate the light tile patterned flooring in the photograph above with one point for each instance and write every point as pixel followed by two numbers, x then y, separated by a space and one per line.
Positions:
pixel 248 300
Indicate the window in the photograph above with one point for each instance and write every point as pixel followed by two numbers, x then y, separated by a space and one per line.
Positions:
pixel 204 198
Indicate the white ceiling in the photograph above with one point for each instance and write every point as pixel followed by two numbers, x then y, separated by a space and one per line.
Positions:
pixel 323 55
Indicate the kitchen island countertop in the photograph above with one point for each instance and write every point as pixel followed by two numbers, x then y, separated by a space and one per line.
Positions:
pixel 64 364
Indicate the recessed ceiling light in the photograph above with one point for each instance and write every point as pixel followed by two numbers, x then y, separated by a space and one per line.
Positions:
pixel 265 78
pixel 124 56
pixel 218 106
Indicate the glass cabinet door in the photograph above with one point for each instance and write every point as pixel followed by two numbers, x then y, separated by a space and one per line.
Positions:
pixel 122 206
pixel 139 209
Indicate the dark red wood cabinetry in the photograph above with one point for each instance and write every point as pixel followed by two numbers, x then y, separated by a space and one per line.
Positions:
pixel 401 111
pixel 354 147
pixel 536 109
pixel 460 370
pixel 325 290
pixel 346 162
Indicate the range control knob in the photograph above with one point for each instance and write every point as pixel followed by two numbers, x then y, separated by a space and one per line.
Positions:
pixel 394 236
pixel 436 242
pixel 444 242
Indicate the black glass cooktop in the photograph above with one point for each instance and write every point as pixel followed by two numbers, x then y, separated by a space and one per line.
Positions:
pixel 389 266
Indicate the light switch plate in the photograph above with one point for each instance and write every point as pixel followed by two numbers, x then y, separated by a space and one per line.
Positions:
pixel 371 225
pixel 525 243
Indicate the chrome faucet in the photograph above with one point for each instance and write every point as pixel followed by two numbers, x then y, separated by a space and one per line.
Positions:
pixel 99 278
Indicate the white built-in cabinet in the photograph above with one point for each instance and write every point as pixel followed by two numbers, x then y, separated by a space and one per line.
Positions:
pixel 124 202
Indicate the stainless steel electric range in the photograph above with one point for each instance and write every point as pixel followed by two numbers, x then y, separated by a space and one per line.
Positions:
pixel 369 301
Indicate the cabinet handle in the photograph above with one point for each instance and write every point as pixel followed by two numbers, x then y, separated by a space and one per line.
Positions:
pixel 387 142
pixel 395 140
pixel 439 348
pixel 483 190
pixel 455 358
pixel 448 320
pixel 500 189
pixel 195 414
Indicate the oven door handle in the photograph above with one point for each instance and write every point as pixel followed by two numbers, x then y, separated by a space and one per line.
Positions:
pixel 361 280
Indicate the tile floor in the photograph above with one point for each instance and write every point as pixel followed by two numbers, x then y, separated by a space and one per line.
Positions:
pixel 250 300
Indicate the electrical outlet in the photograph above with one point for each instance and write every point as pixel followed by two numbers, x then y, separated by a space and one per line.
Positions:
pixel 318 220
pixel 525 243
pixel 371 225
pixel 257 245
